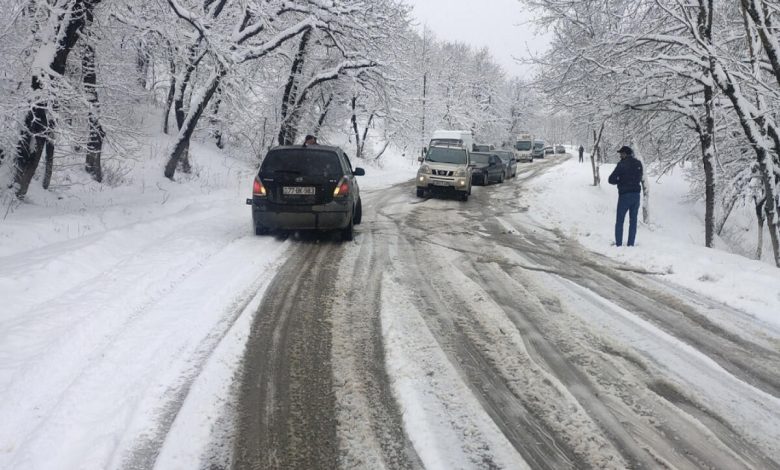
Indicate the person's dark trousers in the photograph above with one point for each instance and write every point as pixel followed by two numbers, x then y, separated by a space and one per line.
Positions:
pixel 580 158
pixel 628 202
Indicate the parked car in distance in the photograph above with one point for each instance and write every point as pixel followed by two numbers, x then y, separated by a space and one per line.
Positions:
pixel 487 167
pixel 560 149
pixel 549 150
pixel 445 169
pixel 306 188
pixel 510 162
pixel 538 150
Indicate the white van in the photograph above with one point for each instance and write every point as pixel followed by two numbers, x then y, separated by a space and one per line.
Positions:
pixel 523 148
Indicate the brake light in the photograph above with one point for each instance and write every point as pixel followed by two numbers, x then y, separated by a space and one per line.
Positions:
pixel 342 189
pixel 258 189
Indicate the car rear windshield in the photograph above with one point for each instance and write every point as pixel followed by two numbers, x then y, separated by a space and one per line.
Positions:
pixel 304 162
pixel 480 158
pixel 446 142
pixel 523 145
pixel 446 155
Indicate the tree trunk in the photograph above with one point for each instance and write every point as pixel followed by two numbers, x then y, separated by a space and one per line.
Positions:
pixel 353 119
pixel 289 128
pixel 707 151
pixel 190 122
pixel 706 134
pixel 594 155
pixel 142 65
pixel 760 217
pixel 93 164
pixel 171 93
pixel 179 97
pixel 49 163
pixel 38 122
pixel 323 114
pixel 215 124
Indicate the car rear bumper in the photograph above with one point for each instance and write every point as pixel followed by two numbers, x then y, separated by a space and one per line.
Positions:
pixel 330 216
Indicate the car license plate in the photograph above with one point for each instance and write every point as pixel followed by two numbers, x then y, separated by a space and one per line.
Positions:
pixel 298 190
pixel 441 183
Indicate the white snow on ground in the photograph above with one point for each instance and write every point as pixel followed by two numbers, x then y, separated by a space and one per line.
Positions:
pixel 125 309
pixel 121 304
pixel 672 243
pixel 447 425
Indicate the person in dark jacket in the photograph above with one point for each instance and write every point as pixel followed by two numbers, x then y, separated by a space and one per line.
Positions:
pixel 628 178
pixel 582 150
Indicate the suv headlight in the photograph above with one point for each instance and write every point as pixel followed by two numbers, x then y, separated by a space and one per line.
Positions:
pixel 425 169
pixel 460 173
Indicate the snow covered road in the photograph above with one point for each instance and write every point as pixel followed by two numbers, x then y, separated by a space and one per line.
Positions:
pixel 448 335
pixel 463 335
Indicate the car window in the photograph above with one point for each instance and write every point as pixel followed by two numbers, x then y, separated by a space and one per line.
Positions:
pixel 304 162
pixel 446 155
pixel 481 158
pixel 523 145
pixel 349 163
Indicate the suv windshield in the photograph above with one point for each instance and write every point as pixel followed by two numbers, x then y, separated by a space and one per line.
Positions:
pixel 481 158
pixel 538 145
pixel 304 162
pixel 523 145
pixel 446 155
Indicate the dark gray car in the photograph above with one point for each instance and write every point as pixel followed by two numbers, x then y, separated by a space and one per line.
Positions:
pixel 510 162
pixel 306 188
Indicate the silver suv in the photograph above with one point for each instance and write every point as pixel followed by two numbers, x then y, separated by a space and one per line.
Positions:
pixel 445 169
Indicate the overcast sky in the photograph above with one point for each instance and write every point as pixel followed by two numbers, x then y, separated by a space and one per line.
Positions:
pixel 502 25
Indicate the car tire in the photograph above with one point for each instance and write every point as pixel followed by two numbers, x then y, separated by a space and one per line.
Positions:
pixel 359 212
pixel 464 197
pixel 420 192
pixel 348 232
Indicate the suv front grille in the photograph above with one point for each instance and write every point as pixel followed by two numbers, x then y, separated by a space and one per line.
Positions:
pixel 442 172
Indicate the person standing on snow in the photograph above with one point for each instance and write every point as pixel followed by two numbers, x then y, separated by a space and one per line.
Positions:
pixel 582 150
pixel 310 140
pixel 628 178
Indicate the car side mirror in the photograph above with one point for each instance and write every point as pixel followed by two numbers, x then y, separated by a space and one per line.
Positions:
pixel 420 158
pixel 359 172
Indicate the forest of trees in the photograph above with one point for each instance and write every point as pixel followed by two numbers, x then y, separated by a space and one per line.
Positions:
pixel 246 75
pixel 695 82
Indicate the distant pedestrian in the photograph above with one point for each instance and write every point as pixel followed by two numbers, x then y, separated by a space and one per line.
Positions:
pixel 628 178
pixel 582 150
pixel 310 140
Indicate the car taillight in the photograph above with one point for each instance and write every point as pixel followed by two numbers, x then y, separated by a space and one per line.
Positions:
pixel 258 189
pixel 342 189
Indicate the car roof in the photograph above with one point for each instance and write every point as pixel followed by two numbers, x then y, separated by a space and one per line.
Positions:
pixel 307 147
